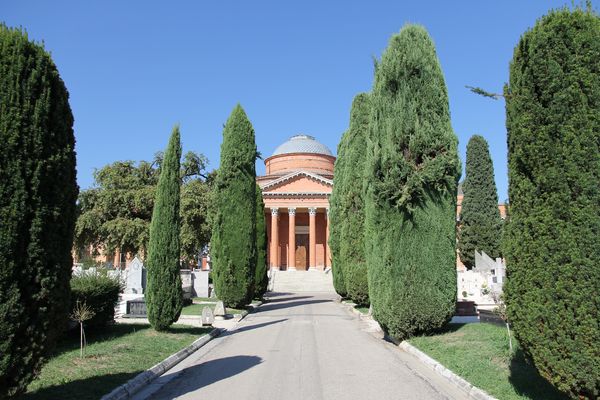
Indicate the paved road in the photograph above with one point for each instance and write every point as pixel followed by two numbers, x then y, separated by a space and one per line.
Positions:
pixel 303 346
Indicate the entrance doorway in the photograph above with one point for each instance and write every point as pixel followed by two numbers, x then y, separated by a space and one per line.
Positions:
pixel 302 255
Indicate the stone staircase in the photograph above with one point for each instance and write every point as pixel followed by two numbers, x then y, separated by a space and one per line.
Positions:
pixel 301 281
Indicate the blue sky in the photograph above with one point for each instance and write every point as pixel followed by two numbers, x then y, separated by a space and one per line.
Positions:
pixel 136 68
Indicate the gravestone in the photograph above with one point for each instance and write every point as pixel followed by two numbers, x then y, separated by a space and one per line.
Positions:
pixel 186 283
pixel 200 283
pixel 136 308
pixel 134 281
pixel 207 316
pixel 220 310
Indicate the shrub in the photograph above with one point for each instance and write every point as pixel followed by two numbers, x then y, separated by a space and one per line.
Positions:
pixel 552 244
pixel 261 279
pixel 164 294
pixel 336 219
pixel 233 243
pixel 38 191
pixel 99 292
pixel 352 230
pixel 411 177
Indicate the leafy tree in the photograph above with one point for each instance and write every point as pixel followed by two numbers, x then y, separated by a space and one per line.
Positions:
pixel 336 218
pixel 552 247
pixel 261 279
pixel 115 214
pixel 233 243
pixel 480 222
pixel 164 295
pixel 38 191
pixel 352 246
pixel 411 178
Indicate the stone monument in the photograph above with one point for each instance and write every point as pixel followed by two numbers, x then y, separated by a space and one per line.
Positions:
pixel 207 316
pixel 220 310
pixel 135 275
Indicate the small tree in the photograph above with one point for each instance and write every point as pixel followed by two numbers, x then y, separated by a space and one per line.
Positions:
pixel 352 245
pixel 233 243
pixel 411 177
pixel 480 222
pixel 553 246
pixel 38 191
pixel 81 313
pixel 164 295
pixel 261 279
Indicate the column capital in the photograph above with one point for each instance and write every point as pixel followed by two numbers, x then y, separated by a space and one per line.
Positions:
pixel 274 211
pixel 292 210
pixel 312 211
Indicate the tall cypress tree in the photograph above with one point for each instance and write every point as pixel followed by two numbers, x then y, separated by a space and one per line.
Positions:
pixel 233 243
pixel 412 174
pixel 261 279
pixel 553 245
pixel 164 295
pixel 480 222
pixel 38 191
pixel 336 218
pixel 352 246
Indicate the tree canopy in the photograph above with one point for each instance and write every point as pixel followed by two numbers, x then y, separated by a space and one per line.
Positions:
pixel 115 214
pixel 480 222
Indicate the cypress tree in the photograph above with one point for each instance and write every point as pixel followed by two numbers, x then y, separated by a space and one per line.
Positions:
pixel 352 246
pixel 233 241
pixel 261 279
pixel 38 191
pixel 164 295
pixel 480 222
pixel 336 218
pixel 553 246
pixel 412 174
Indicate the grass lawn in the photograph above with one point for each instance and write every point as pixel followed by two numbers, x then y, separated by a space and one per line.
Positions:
pixel 196 309
pixel 479 353
pixel 113 356
pixel 204 299
pixel 362 309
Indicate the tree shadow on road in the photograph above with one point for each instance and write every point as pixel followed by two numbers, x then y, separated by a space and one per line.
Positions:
pixel 201 375
pixel 251 327
pixel 287 299
pixel 281 304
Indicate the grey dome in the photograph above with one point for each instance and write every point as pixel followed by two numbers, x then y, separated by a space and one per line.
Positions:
pixel 302 144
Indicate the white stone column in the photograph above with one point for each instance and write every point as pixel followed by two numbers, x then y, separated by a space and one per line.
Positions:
pixel 292 239
pixel 312 233
pixel 274 253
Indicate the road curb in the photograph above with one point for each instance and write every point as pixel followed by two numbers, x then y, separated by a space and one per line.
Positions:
pixel 135 384
pixel 472 391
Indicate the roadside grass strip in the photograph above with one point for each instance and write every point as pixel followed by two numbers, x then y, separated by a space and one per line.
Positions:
pixel 114 355
pixel 479 353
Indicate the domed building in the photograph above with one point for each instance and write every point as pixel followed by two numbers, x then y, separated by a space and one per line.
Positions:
pixel 296 190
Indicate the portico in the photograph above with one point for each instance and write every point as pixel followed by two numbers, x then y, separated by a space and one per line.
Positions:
pixel 296 190
pixel 298 238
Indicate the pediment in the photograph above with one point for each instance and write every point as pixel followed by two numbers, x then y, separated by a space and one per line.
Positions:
pixel 299 182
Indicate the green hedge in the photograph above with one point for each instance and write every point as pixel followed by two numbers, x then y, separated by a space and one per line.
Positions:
pixel 100 292
pixel 552 243
pixel 412 170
